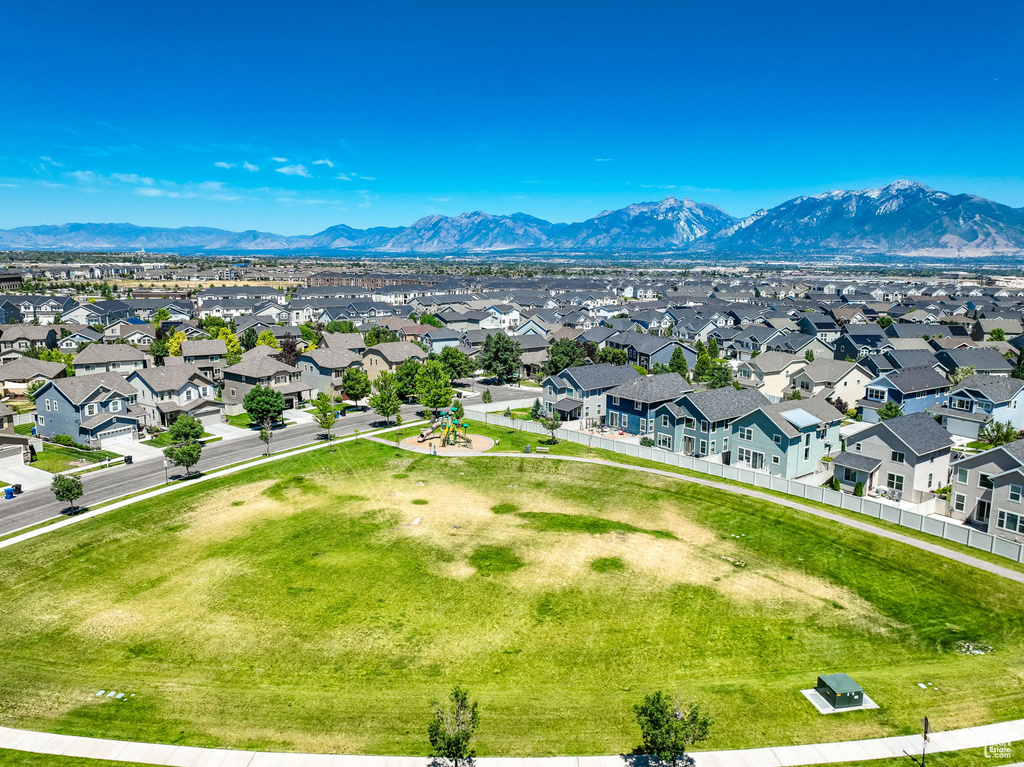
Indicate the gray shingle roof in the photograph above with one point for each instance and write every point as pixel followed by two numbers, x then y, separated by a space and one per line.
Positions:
pixel 821 371
pixel 857 461
pixel 915 379
pixel 24 368
pixel 102 353
pixel 78 388
pixel 996 388
pixel 332 358
pixel 649 389
pixel 169 378
pixel 980 359
pixel 396 351
pixel 602 376
pixel 815 406
pixel 727 402
pixel 918 431
pixel 259 367
pixel 774 362
pixel 203 347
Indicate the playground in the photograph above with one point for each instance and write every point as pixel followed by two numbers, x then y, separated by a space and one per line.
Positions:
pixel 448 435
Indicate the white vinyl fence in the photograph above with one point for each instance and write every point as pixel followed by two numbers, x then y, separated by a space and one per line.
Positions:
pixel 937 526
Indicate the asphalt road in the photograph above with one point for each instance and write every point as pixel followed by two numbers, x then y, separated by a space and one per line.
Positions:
pixel 35 506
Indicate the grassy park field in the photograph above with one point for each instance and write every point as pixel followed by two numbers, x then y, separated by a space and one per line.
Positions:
pixel 318 603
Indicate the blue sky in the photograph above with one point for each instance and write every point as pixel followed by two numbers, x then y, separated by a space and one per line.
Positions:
pixel 294 117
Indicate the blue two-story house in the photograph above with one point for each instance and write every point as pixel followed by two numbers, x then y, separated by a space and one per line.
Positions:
pixel 914 389
pixel 630 407
pixel 579 392
pixel 95 410
pixel 700 423
pixel 786 439
pixel 979 400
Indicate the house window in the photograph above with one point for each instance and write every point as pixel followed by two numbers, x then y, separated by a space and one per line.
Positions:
pixel 664 420
pixel 1015 493
pixel 856 446
pixel 894 481
pixel 776 460
pixel 625 420
pixel 878 395
pixel 985 481
pixel 984 511
pixel 704 426
pixel 961 476
pixel 897 457
pixel 958 403
pixel 665 441
pixel 747 434
pixel 90 409
pixel 703 447
pixel 615 401
pixel 959 502
pixel 1012 522
pixel 115 406
pixel 47 406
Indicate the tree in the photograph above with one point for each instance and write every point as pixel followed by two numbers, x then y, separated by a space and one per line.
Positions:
pixel 809 355
pixel 355 384
pixel 678 363
pixel 186 455
pixel 614 356
pixel 33 388
pixel 795 394
pixel 839 404
pixel 668 727
pixel 249 338
pixel 713 349
pixel 1018 369
pixel 884 322
pixel 264 406
pixel 158 348
pixel 266 437
pixel 174 342
pixel 500 357
pixel 703 367
pixel 997 334
pixel 385 401
pixel 289 350
pixel 309 334
pixel 231 342
pixel 324 413
pixel 433 389
pixel 719 376
pixel 486 398
pixel 563 353
pixel 889 410
pixel 451 728
pixel 536 410
pixel 552 423
pixel 430 319
pixel 960 374
pixel 185 429
pixel 998 433
pixel 378 335
pixel 660 368
pixel 67 488
pixel 405 378
pixel 858 489
pixel 267 338
pixel 160 315
pixel 341 326
pixel 460 411
pixel 212 325
pixel 457 364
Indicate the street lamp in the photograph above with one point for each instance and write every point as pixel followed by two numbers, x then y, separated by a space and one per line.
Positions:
pixel 166 479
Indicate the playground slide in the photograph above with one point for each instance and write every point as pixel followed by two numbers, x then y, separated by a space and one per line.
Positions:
pixel 425 434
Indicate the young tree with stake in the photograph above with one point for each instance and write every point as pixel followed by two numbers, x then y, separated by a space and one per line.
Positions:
pixel 451 728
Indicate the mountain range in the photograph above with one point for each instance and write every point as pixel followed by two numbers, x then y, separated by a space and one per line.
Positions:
pixel 902 217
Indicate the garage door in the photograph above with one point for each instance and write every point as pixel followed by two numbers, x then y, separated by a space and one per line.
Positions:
pixel 113 436
pixel 208 418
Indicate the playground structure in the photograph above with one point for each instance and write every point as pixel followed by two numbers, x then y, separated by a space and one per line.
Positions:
pixel 452 430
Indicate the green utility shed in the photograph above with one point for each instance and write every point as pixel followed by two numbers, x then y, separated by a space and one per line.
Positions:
pixel 840 691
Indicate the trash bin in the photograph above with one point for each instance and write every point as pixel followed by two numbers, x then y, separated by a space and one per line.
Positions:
pixel 527 449
pixel 17 489
pixel 128 460
pixel 9 493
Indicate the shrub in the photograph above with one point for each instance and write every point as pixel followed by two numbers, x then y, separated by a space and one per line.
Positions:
pixel 835 483
pixel 858 489
pixel 63 439
pixel 646 442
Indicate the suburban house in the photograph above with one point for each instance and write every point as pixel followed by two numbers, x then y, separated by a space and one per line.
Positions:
pixel 109 358
pixel 643 349
pixel 69 344
pixel 833 379
pixel 23 337
pixel 987 361
pixel 97 313
pixel 630 406
pixel 208 354
pixel 988 490
pixel 164 393
pixel 977 401
pixel 914 389
pixel 700 423
pixel 787 439
pixel 389 356
pixel 94 410
pixel 822 326
pixel 323 369
pixel 351 341
pixel 268 371
pixel 770 372
pixel 579 392
pixel 906 457
pixel 17 376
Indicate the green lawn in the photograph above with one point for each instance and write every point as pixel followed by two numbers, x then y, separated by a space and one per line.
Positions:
pixel 9 758
pixel 163 439
pixel 23 428
pixel 979 445
pixel 298 606
pixel 243 421
pixel 57 458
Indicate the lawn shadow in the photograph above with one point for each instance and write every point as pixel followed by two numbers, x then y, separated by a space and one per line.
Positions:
pixel 637 759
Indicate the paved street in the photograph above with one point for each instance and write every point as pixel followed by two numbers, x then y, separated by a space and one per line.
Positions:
pixel 36 505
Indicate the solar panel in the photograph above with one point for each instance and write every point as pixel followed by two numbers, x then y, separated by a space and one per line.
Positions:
pixel 800 418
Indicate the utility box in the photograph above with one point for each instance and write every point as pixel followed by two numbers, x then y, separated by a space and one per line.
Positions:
pixel 840 691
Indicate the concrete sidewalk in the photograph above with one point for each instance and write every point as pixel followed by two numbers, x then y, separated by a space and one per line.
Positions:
pixel 776 756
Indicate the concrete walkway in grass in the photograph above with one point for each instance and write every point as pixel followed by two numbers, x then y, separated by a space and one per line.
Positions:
pixel 751 492
pixel 990 735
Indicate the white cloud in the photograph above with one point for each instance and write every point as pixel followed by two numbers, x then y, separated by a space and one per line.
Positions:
pixel 250 167
pixel 367 178
pixel 148 191
pixel 12 186
pixel 51 161
pixel 295 170
pixel 224 165
pixel 603 159
pixel 441 199
pixel 343 177
pixel 132 178
pixel 326 162
pixel 306 201
pixel 279 159
pixel 84 176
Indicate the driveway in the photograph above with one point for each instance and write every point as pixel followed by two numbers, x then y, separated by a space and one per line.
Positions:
pixel 136 450
pixel 29 477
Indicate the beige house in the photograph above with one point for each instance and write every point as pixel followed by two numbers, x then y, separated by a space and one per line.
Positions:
pixel 832 378
pixel 770 372
pixel 389 356
pixel 17 376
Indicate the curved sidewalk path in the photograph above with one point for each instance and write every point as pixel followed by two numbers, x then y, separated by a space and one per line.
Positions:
pixel 773 756
pixel 750 492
